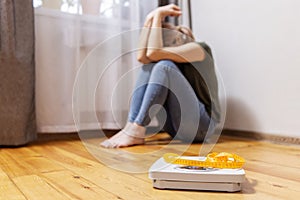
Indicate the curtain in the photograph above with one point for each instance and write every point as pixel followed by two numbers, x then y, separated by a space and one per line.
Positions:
pixel 85 62
pixel 17 72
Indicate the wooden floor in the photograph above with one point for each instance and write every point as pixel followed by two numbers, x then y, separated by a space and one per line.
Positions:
pixel 64 167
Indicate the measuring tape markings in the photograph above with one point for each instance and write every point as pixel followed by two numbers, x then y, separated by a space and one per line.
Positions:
pixel 215 160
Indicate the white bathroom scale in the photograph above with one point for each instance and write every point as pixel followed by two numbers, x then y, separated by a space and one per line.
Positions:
pixel 171 176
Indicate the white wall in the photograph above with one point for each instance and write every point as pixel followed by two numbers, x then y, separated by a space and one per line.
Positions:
pixel 256 44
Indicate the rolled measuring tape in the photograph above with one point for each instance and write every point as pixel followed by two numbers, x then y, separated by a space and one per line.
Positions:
pixel 221 160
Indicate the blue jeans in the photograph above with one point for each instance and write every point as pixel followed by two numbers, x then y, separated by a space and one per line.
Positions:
pixel 162 83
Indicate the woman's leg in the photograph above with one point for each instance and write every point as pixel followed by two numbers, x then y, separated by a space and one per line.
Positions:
pixel 139 91
pixel 187 119
pixel 149 90
pixel 173 122
pixel 164 77
pixel 132 134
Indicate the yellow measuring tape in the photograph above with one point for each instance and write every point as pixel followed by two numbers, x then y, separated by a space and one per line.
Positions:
pixel 215 160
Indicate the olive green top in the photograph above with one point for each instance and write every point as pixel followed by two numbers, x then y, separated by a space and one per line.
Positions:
pixel 202 77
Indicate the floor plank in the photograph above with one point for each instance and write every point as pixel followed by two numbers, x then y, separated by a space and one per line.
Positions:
pixel 76 186
pixel 122 185
pixel 64 167
pixel 13 166
pixel 35 187
pixel 275 187
pixel 8 190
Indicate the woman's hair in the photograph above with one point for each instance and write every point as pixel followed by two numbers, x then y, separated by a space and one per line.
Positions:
pixel 176 35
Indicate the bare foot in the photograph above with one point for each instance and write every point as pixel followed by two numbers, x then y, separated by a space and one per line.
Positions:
pixel 132 134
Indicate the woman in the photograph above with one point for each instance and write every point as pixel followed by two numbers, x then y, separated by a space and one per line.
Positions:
pixel 177 74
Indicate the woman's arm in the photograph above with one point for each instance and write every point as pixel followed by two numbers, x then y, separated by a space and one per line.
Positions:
pixel 143 40
pixel 189 52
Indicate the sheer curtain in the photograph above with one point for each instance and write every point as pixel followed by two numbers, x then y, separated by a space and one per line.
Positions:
pixel 74 39
pixel 85 61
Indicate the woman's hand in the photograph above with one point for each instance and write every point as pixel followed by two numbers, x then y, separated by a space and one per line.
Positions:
pixel 164 11
pixel 168 10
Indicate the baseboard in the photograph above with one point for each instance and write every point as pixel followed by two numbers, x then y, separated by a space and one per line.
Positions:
pixel 261 136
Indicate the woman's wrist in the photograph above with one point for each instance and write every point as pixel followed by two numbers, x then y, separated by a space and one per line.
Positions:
pixel 147 24
pixel 148 21
pixel 157 19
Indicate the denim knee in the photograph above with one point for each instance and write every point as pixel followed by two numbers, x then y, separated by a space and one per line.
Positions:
pixel 148 67
pixel 166 65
